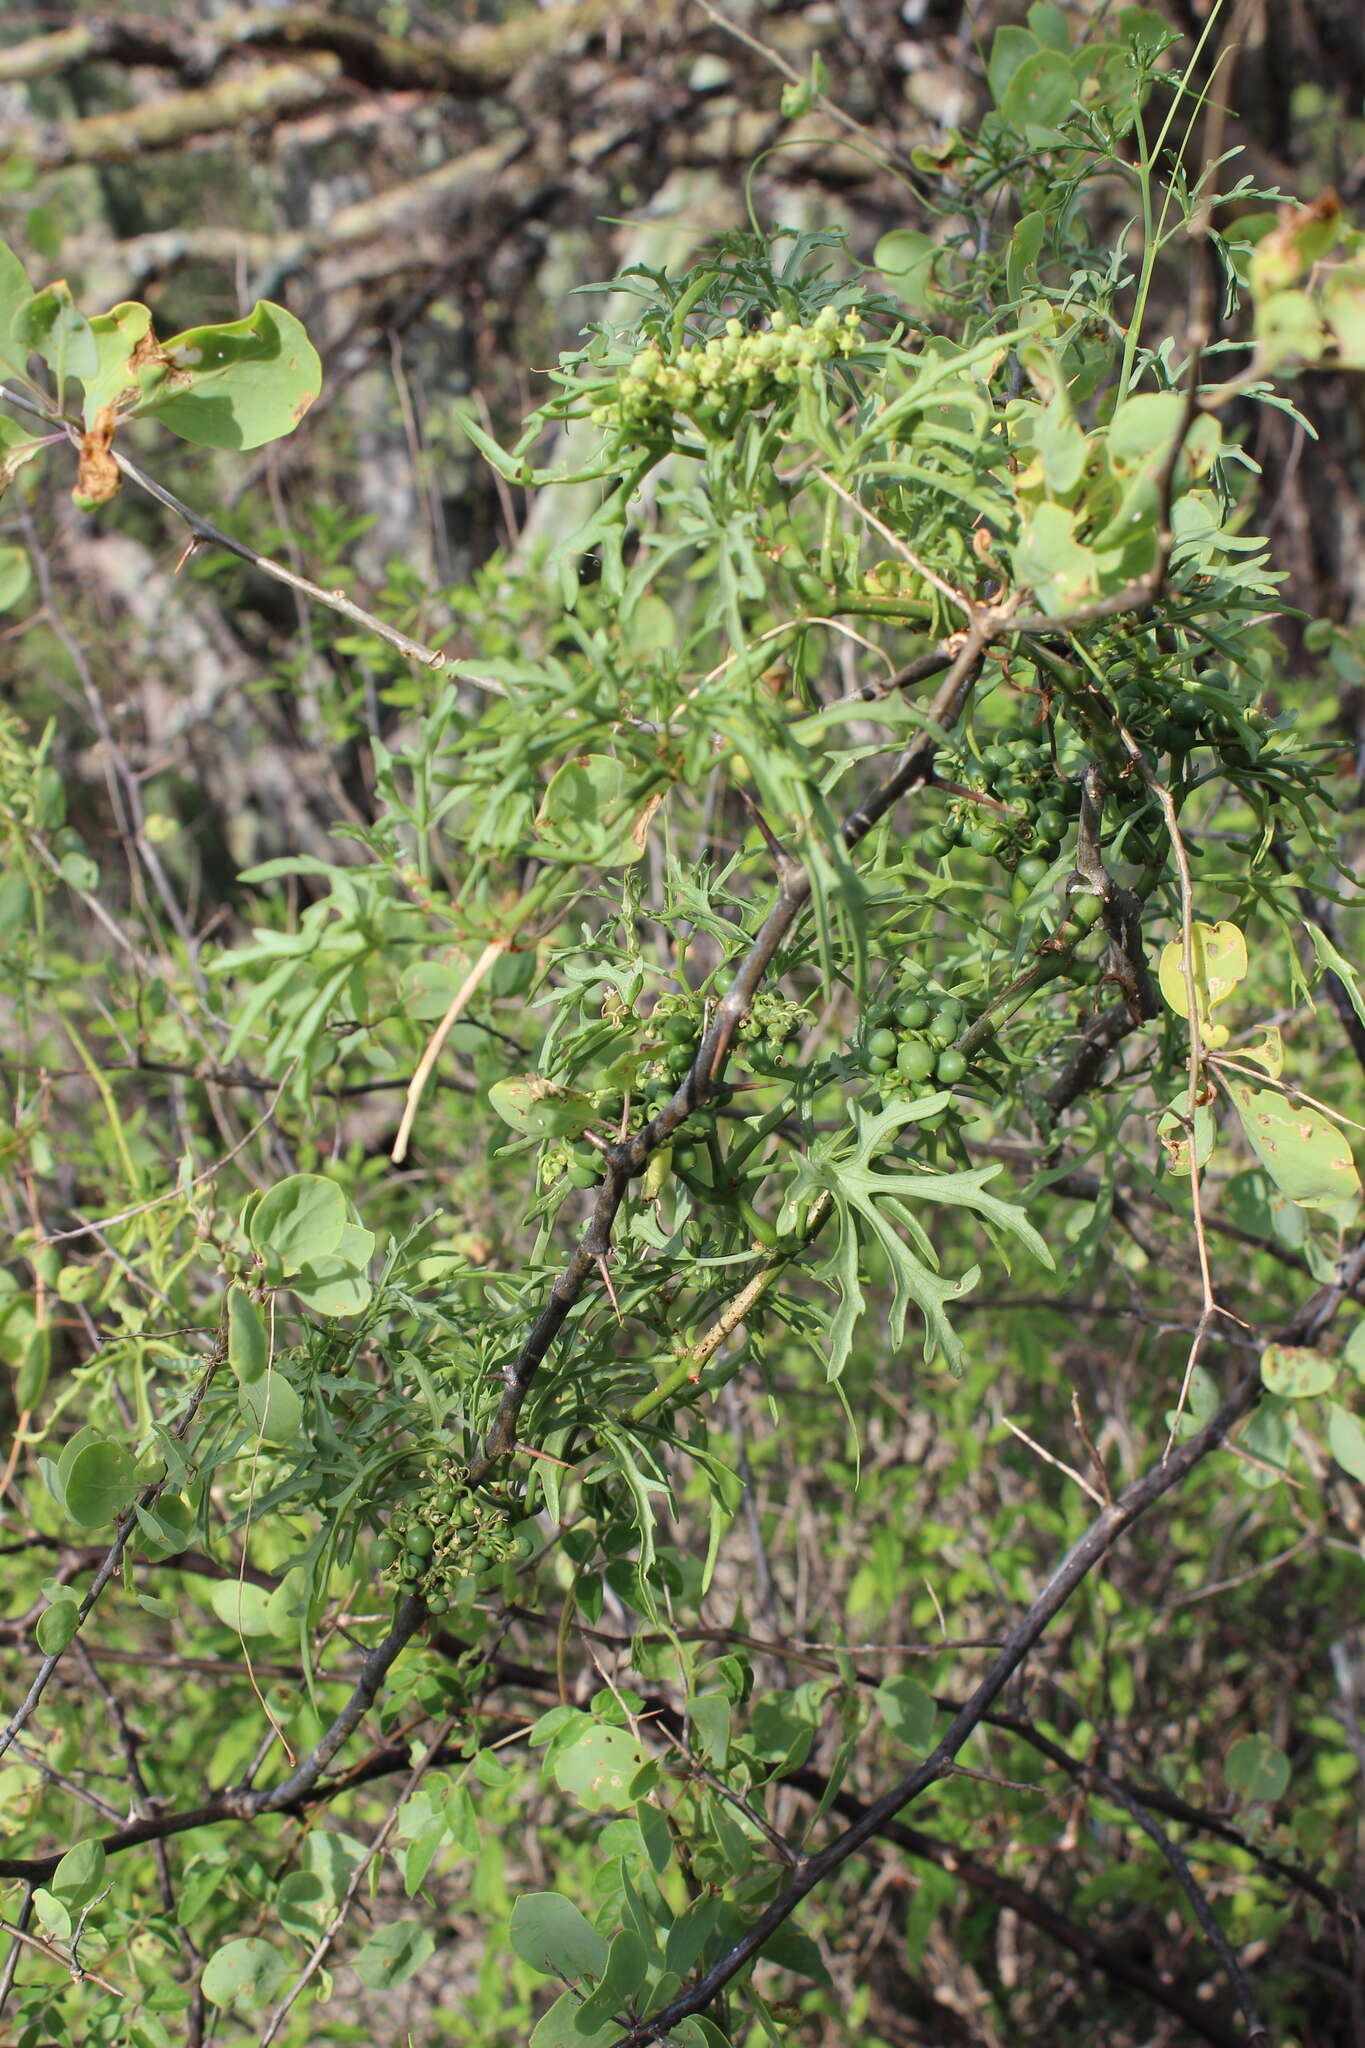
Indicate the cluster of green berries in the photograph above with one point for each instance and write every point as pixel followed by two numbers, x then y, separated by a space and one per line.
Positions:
pixel 664 1047
pixel 1173 715
pixel 912 1040
pixel 443 1537
pixel 765 1036
pixel 733 372
pixel 1018 812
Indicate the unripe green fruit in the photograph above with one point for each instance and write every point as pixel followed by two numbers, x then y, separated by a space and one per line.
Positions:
pixel 582 1176
pixel 385 1553
pixel 882 1045
pixel 1032 870
pixel 950 1066
pixel 915 1060
pixel 944 1026
pixel 912 1013
pixel 934 843
pixel 1050 823
pixel 879 1063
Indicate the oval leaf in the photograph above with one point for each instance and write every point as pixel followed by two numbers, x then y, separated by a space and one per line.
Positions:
pixel 1218 957
pixel 100 1483
pixel 15 576
pixel 242 1607
pixel 235 385
pixel 1346 1440
pixel 248 1339
pixel 1295 1372
pixel 598 1769
pixel 299 1221
pixel 247 1972
pixel 393 1953
pixel 1256 1768
pixel 272 1408
pixel 1305 1155
pixel 550 1934
pixel 56 1626
pixel 588 813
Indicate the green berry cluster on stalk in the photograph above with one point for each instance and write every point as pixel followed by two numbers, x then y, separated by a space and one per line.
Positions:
pixel 727 375
pixel 443 1540
pixel 911 1038
pixel 1012 806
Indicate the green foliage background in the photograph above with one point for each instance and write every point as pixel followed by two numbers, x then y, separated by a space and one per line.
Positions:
pixel 682 1322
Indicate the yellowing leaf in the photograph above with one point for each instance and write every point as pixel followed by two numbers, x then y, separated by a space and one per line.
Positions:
pixel 1304 1153
pixel 1295 1372
pixel 1218 957
pixel 1173 1129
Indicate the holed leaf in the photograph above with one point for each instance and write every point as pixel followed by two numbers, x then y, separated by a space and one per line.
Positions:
pixel 234 385
pixel 1304 1153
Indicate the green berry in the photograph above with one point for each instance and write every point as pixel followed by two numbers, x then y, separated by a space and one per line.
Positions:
pixel 1032 870
pixel 879 1063
pixel 944 1026
pixel 950 1066
pixel 935 843
pixel 915 1059
pixel 912 1013
pixel 882 1045
pixel 1050 823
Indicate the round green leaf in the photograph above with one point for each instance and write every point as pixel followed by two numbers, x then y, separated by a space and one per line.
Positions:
pixel 56 1626
pixel 393 1953
pixel 99 1484
pixel 1296 1372
pixel 588 813
pixel 907 256
pixel 242 1607
pixel 598 1769
pixel 80 1875
pixel 909 1713
pixel 540 1107
pixel 272 1408
pixel 299 1221
pixel 1041 91
pixel 238 384
pixel 302 1903
pixel 51 326
pixel 1256 1768
pixel 247 1972
pixel 550 1934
